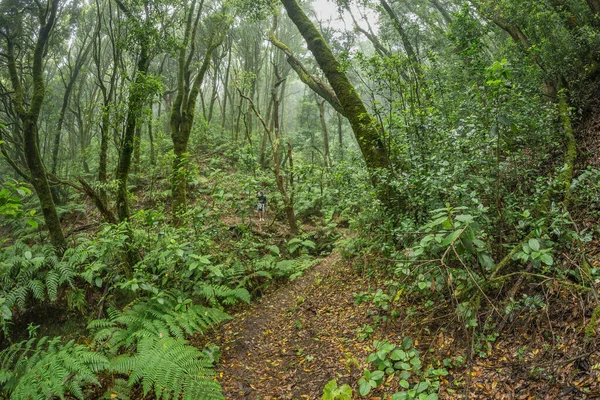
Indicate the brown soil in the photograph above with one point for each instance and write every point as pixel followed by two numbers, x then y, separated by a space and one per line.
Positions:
pixel 296 339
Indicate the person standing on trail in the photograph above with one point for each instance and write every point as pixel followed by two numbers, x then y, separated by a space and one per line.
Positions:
pixel 262 205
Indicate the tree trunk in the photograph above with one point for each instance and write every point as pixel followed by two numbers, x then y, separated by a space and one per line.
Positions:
pixel 263 142
pixel 326 156
pixel 103 158
pixel 288 205
pixel 442 10
pixel 73 74
pixel 363 124
pixel 134 109
pixel 226 89
pixel 594 5
pixel 184 106
pixel 39 180
pixel 137 145
pixel 151 138
pixel 275 143
pixel 408 47
pixel 29 118
pixel 340 135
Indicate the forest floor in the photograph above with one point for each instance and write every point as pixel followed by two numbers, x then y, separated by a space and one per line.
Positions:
pixel 295 339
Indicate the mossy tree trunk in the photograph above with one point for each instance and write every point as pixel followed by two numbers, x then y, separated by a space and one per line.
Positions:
pixel 136 101
pixel 364 126
pixel 29 116
pixel 184 106
pixel 107 89
pixel 445 14
pixel 288 199
pixel 408 47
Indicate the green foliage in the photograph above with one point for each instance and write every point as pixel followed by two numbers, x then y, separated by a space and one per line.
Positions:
pixel 148 338
pixel 48 368
pixel 272 267
pixel 169 367
pixel 369 380
pixel 152 318
pixel 297 244
pixel 402 361
pixel 30 273
pixel 215 294
pixel 11 206
pixel 331 391
pixel 532 252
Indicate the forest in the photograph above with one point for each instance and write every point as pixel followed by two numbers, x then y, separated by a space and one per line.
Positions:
pixel 299 199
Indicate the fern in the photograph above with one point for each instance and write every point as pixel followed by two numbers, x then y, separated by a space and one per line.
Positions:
pixel 46 367
pixel 28 273
pixel 149 318
pixel 219 293
pixel 170 367
pixel 162 360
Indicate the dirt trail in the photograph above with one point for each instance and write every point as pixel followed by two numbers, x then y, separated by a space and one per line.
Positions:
pixel 296 339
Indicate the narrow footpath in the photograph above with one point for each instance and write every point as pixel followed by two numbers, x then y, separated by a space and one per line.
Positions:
pixel 297 338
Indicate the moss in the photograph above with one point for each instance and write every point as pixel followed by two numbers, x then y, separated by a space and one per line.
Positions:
pixel 566 175
pixel 590 328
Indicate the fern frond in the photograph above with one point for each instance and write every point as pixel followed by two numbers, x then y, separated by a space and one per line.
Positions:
pixel 50 368
pixel 148 318
pixel 170 367
pixel 222 293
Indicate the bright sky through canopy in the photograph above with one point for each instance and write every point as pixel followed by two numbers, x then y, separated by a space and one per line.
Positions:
pixel 327 10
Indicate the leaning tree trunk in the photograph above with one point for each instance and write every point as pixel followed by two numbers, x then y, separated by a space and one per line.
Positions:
pixel 29 118
pixel 39 180
pixel 363 124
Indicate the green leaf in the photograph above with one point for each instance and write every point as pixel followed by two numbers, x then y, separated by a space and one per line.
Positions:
pixel 309 244
pixel 397 355
pixel 486 260
pixel 451 237
pixel 404 384
pixel 407 343
pixel 534 244
pixel 404 366
pixel 33 224
pixel 364 388
pixel 547 259
pixel 422 386
pixel 6 312
pixel 377 375
pixel 466 218
pixel 273 249
pixel 344 393
pixel 439 221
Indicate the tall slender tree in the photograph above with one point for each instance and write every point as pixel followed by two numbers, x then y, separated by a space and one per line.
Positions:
pixel 188 87
pixel 28 107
